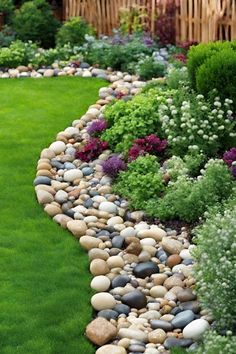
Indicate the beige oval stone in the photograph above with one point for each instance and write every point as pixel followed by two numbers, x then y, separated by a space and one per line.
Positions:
pixel 47 154
pixel 111 349
pixel 77 227
pixel 103 301
pixel 45 173
pixel 157 337
pixel 171 246
pixel 44 197
pixel 52 210
pixel 133 334
pixel 46 188
pixel 100 283
pixel 62 220
pixel 44 166
pixel 158 291
pixel 99 267
pixel 89 242
pixel 173 281
pixel 115 261
pixel 97 253
pixel 155 233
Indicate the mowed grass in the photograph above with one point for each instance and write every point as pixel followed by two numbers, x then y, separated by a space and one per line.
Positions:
pixel 44 278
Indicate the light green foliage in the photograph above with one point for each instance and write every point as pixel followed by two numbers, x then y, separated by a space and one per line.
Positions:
pixel 130 20
pixel 149 68
pixel 177 77
pixel 122 57
pixel 73 32
pixel 35 21
pixel 142 181
pixel 215 269
pixel 192 123
pixel 216 344
pixel 18 53
pixel 136 118
pixel 188 199
pixel 197 55
pixel 44 293
pixel 220 71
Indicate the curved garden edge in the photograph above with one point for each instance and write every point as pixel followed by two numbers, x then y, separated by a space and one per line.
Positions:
pixel 78 196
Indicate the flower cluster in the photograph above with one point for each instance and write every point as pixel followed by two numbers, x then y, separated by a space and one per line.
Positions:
pixel 91 150
pixel 113 166
pixel 230 159
pixel 97 126
pixel 151 144
pixel 190 123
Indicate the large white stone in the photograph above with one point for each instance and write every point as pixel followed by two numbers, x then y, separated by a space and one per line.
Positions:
pixel 103 301
pixel 100 283
pixel 58 147
pixel 109 207
pixel 133 334
pixel 71 175
pixel 128 232
pixel 195 329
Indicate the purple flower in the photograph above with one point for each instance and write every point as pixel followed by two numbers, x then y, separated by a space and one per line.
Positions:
pixel 148 41
pixel 97 126
pixel 230 159
pixel 113 166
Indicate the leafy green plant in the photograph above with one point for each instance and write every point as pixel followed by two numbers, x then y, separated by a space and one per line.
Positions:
pixel 35 21
pixel 141 181
pixel 7 36
pixel 213 343
pixel 149 68
pixel 215 269
pixel 131 20
pixel 177 77
pixel 133 119
pixel 73 31
pixel 7 8
pixel 191 122
pixel 197 55
pixel 220 71
pixel 188 199
pixel 18 53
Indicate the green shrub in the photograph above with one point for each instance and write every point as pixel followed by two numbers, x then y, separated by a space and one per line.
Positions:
pixel 7 8
pixel 188 199
pixel 18 53
pixel 197 55
pixel 220 71
pixel 7 36
pixel 149 69
pixel 191 122
pixel 133 119
pixel 140 182
pixel 214 343
pixel 215 270
pixel 177 77
pixel 73 32
pixel 35 21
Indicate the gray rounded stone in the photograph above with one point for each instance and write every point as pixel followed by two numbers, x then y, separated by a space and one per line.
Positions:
pixel 166 326
pixel 174 342
pixel 122 309
pixel 182 319
pixel 120 281
pixel 108 314
pixel 42 180
pixel 143 270
pixel 135 299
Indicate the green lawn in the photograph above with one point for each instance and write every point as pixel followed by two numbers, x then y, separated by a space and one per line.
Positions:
pixel 44 279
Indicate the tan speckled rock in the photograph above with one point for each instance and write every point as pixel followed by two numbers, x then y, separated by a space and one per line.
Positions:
pixel 100 331
pixel 89 242
pixel 44 197
pixel 77 227
pixel 157 337
pixel 99 267
pixel 52 210
pixel 171 246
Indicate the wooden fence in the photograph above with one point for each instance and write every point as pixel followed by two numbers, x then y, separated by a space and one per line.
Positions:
pixel 196 20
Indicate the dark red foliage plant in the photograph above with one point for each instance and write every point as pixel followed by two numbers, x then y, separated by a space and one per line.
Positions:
pixel 165 24
pixel 93 148
pixel 151 144
pixel 230 159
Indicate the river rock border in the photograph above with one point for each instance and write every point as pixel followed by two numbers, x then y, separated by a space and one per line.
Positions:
pixel 145 300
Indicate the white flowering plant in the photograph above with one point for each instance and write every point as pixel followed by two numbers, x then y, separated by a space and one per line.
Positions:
pixel 192 123
pixel 216 266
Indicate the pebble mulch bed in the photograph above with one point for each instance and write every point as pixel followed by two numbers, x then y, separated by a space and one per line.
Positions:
pixel 145 300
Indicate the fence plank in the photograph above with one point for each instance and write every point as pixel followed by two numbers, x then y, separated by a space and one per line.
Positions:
pixel 199 20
